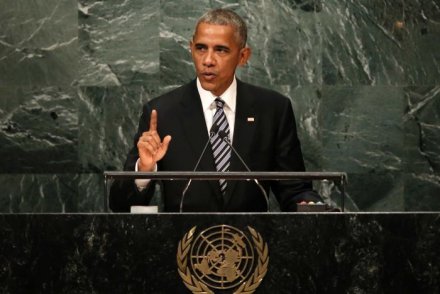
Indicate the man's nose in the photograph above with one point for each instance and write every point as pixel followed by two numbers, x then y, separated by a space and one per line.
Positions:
pixel 209 59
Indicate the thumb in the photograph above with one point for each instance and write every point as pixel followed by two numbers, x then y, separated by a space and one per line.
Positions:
pixel 166 141
pixel 163 148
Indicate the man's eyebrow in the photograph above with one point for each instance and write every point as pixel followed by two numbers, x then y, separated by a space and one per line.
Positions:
pixel 222 47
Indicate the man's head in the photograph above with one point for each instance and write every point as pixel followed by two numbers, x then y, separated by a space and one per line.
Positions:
pixel 218 47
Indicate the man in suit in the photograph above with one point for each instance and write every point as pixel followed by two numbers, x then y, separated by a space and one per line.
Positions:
pixel 174 128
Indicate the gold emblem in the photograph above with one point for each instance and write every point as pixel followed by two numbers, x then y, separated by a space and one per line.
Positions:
pixel 221 258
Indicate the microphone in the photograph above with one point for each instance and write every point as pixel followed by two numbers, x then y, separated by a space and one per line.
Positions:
pixel 222 134
pixel 212 132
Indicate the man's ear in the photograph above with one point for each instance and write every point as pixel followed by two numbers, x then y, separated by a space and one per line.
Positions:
pixel 245 54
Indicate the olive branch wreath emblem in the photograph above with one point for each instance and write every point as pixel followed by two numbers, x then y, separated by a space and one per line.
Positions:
pixel 247 287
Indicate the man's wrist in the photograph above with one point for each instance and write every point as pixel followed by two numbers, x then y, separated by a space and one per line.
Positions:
pixel 141 167
pixel 142 183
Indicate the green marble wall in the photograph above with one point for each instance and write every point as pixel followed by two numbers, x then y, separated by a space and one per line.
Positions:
pixel 363 76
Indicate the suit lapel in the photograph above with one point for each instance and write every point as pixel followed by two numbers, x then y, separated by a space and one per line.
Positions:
pixel 192 119
pixel 244 131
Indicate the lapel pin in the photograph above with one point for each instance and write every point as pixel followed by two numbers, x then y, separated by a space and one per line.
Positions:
pixel 250 119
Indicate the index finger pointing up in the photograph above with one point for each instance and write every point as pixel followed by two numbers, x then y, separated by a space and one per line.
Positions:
pixel 153 120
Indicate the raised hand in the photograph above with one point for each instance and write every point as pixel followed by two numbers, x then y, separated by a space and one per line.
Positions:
pixel 151 147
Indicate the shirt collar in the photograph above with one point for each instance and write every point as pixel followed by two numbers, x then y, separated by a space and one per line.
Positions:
pixel 229 96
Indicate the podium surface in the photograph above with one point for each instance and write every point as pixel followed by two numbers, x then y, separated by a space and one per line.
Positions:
pixel 137 253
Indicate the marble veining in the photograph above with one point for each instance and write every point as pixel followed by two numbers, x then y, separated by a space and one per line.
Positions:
pixel 359 253
pixel 363 77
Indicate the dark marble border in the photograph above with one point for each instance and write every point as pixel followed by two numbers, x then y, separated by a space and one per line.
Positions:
pixel 309 253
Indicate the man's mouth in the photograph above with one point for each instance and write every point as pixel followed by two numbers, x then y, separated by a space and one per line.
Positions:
pixel 209 76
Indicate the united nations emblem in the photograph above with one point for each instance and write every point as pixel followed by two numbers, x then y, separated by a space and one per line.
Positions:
pixel 222 258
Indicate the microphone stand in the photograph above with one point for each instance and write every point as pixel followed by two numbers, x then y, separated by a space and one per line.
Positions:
pixel 225 138
pixel 212 132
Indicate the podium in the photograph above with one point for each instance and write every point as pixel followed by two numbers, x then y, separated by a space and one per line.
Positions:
pixel 338 178
pixel 134 253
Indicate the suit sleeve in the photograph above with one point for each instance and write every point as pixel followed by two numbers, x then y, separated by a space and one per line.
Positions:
pixel 124 193
pixel 288 157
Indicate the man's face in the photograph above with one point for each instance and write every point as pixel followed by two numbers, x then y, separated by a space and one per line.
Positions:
pixel 216 54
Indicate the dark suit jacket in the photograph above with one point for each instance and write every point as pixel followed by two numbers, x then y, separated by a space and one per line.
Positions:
pixel 269 143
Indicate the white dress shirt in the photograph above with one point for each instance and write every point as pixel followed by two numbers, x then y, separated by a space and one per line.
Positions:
pixel 209 106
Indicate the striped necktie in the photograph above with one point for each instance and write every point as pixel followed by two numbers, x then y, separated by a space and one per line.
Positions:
pixel 221 150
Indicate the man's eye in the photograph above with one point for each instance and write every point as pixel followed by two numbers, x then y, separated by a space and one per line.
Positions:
pixel 200 48
pixel 222 50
